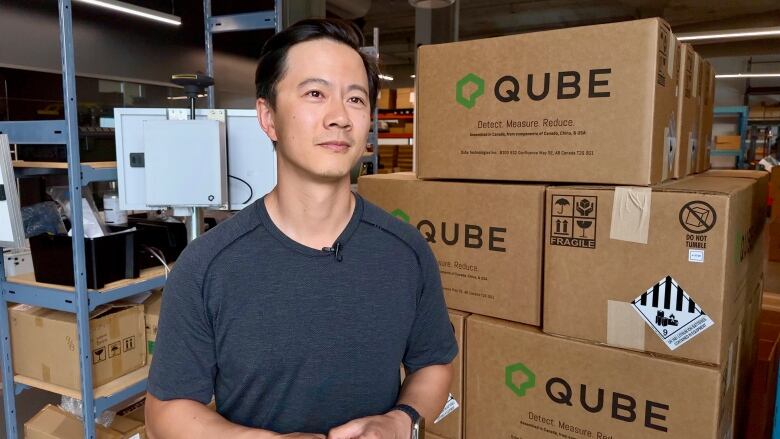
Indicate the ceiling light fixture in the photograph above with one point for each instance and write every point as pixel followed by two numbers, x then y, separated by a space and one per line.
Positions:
pixel 412 76
pixel 747 75
pixel 386 77
pixel 138 11
pixel 431 4
pixel 731 34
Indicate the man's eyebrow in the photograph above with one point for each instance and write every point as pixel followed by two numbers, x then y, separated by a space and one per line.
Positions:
pixel 359 88
pixel 326 83
pixel 308 81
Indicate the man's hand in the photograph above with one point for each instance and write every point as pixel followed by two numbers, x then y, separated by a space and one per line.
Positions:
pixel 392 425
pixel 302 436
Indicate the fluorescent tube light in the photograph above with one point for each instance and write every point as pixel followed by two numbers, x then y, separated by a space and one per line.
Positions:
pixel 730 34
pixel 138 11
pixel 748 75
pixel 176 98
pixel 386 78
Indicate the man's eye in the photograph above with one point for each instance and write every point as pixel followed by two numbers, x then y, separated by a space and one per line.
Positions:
pixel 314 94
pixel 357 100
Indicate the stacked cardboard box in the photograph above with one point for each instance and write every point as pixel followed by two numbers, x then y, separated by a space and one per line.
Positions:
pixel 55 423
pixel 151 320
pixel 495 135
pixel 706 117
pixel 45 344
pixel 688 104
pixel 551 106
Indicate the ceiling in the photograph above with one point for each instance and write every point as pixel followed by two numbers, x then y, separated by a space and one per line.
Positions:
pixel 395 20
pixel 485 18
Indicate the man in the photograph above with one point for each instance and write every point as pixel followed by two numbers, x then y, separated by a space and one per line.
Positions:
pixel 296 313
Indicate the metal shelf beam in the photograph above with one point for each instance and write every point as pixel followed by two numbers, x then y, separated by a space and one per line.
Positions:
pixel 243 22
pixel 36 132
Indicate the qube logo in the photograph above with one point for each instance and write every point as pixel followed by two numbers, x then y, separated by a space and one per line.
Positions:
pixel 468 235
pixel 519 378
pixel 590 399
pixel 400 214
pixel 460 90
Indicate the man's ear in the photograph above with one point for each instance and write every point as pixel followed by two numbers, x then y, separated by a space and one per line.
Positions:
pixel 265 115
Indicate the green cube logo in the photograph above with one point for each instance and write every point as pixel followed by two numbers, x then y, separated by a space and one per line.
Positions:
pixel 400 214
pixel 519 378
pixel 470 101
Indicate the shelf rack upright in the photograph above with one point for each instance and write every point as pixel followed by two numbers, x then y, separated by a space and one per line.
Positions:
pixel 78 299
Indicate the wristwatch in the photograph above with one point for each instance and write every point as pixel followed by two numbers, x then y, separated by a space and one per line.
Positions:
pixel 418 422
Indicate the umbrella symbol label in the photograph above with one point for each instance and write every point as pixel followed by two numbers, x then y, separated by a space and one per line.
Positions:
pixel 573 221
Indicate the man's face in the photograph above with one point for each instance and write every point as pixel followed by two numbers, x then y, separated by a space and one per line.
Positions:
pixel 322 115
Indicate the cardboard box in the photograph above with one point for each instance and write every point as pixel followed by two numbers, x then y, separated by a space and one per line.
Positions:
pixel 54 423
pixel 486 237
pixel 728 143
pixel 664 269
pixel 759 204
pixel 404 98
pixel 151 318
pixel 134 410
pixel 688 112
pixel 707 116
pixel 550 106
pixel 774 192
pixel 383 100
pixel 451 427
pixel 45 347
pixel 521 383
pixel 774 241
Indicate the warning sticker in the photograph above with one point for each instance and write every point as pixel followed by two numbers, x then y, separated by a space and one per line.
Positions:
pixel 573 221
pixel 672 313
pixel 449 407
pixel 698 217
pixel 99 355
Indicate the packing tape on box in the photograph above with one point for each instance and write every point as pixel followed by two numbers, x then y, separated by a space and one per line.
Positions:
pixel 625 328
pixel 45 373
pixel 631 214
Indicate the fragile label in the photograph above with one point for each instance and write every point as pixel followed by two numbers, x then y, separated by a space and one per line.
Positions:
pixel 450 407
pixel 696 256
pixel 672 313
pixel 573 221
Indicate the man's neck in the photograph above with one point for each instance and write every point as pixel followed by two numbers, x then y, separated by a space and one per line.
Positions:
pixel 312 214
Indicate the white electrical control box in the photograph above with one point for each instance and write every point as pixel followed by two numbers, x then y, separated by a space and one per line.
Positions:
pixel 185 162
pixel 251 158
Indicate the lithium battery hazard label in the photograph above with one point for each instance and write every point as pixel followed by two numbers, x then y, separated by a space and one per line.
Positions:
pixel 672 313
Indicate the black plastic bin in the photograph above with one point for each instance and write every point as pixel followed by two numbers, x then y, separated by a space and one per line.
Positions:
pixel 170 238
pixel 108 259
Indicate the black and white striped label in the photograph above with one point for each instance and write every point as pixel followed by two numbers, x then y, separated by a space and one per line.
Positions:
pixel 672 313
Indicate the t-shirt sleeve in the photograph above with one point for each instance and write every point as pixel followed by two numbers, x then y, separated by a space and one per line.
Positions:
pixel 432 340
pixel 184 362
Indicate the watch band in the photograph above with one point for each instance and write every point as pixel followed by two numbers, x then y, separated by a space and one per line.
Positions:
pixel 418 423
pixel 409 410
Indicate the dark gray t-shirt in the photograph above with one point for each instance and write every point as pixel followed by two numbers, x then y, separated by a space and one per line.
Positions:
pixel 290 338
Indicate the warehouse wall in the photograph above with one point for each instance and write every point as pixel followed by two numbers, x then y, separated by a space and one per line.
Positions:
pixel 29 38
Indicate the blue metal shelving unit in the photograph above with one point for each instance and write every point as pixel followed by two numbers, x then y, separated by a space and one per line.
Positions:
pixel 78 299
pixel 742 125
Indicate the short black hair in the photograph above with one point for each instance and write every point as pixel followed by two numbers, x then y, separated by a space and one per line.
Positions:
pixel 272 64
